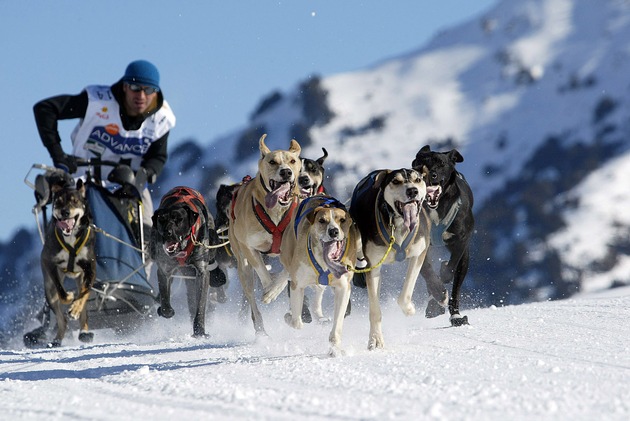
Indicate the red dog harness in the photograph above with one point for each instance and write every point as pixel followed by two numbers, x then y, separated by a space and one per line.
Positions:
pixel 276 231
pixel 194 200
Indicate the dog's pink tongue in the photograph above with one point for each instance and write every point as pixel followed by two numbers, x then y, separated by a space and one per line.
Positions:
pixel 271 199
pixel 333 252
pixel 410 214
pixel 66 224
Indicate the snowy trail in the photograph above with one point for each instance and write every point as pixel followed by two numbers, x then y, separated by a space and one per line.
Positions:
pixel 554 360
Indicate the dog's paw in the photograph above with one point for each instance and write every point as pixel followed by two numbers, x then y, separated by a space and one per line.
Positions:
pixel 75 310
pixel 295 324
pixel 459 320
pixel 35 338
pixel 166 312
pixel 376 342
pixel 69 298
pixel 273 291
pixel 86 337
pixel 54 344
pixel 407 307
pixel 335 351
pixel 217 278
pixel 434 309
pixel 200 335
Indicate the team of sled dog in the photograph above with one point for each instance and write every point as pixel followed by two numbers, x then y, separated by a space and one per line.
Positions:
pixel 284 211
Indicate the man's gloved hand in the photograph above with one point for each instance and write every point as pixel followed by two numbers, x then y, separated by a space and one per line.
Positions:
pixel 68 163
pixel 61 160
pixel 142 177
pixel 151 175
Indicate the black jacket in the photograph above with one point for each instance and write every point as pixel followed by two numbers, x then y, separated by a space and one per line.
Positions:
pixel 63 107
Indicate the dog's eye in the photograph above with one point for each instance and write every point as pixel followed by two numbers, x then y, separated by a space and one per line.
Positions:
pixel 293 161
pixel 342 220
pixel 273 162
pixel 396 181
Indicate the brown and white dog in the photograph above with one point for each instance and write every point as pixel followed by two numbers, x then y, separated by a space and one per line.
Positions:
pixel 317 248
pixel 261 211
pixel 387 205
pixel 68 252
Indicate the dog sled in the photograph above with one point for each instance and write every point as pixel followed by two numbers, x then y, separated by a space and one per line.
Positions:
pixel 122 296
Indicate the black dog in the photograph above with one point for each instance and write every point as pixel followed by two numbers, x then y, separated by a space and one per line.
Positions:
pixel 68 252
pixel 311 178
pixel 449 202
pixel 182 234
pixel 225 193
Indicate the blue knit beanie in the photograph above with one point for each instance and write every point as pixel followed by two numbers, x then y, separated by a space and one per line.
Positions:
pixel 142 72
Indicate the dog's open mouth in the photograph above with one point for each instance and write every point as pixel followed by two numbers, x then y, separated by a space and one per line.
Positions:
pixel 409 211
pixel 433 196
pixel 66 225
pixel 172 247
pixel 280 193
pixel 307 191
pixel 333 253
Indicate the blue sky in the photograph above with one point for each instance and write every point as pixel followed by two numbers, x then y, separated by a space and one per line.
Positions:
pixel 216 59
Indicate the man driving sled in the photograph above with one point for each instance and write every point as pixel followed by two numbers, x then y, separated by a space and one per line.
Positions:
pixel 127 122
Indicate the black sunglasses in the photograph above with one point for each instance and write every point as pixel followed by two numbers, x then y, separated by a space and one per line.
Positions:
pixel 148 90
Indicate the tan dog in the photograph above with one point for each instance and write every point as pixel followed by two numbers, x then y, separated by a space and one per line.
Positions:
pixel 318 246
pixel 261 210
pixel 388 204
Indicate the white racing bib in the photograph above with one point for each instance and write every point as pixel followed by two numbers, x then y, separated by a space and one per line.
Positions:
pixel 100 134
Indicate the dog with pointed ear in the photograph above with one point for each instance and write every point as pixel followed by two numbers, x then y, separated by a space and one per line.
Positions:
pixel 311 178
pixel 387 208
pixel 261 211
pixel 68 252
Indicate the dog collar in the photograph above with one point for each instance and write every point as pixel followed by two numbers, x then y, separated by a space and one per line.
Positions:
pixel 401 249
pixel 267 223
pixel 74 249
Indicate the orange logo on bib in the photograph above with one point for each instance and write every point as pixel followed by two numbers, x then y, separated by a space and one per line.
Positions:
pixel 112 129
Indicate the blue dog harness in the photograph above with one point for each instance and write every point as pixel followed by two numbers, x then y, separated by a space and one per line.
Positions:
pixel 323 276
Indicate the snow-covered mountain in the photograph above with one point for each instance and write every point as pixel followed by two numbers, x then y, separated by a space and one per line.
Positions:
pixel 533 94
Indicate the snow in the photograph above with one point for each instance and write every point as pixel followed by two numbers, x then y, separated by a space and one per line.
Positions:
pixel 545 361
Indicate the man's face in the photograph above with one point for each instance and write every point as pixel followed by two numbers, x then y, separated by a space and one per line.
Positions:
pixel 137 100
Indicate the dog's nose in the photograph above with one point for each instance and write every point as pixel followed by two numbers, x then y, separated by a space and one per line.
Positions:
pixel 286 173
pixel 333 232
pixel 412 192
pixel 65 213
pixel 303 180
